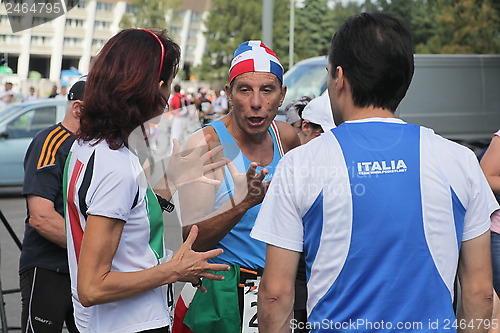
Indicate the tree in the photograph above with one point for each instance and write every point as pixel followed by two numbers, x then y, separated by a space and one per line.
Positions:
pixel 447 26
pixel 316 23
pixel 419 15
pixel 467 26
pixel 148 14
pixel 314 28
pixel 229 23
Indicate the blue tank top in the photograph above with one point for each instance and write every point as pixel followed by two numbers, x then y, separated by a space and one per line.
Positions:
pixel 239 248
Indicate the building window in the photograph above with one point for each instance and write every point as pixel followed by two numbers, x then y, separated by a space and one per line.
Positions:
pixel 75 3
pixel 7 39
pixel 40 40
pixel 74 23
pixel 98 43
pixel 37 20
pixel 101 25
pixel 72 41
pixel 104 7
pixel 14 19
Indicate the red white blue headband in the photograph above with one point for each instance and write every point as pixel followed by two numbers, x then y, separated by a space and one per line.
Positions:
pixel 255 56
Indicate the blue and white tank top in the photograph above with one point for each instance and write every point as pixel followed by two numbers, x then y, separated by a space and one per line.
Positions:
pixel 239 248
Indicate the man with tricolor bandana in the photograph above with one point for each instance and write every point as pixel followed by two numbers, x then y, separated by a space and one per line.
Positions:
pixel 254 142
pixel 384 211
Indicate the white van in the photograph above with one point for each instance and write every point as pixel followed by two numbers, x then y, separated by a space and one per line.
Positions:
pixel 18 124
pixel 456 95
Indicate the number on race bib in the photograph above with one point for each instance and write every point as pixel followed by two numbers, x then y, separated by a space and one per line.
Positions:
pixel 250 324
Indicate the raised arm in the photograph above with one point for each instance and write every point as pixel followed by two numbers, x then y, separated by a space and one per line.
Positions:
pixel 197 201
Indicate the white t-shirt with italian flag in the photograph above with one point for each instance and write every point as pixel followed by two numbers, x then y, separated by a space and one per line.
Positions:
pixel 105 182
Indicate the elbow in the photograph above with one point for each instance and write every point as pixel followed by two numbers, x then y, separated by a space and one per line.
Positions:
pixel 85 302
pixel 88 296
pixel 478 295
pixel 275 293
pixel 35 222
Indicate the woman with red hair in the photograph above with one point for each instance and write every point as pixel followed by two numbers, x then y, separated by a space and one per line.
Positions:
pixel 119 267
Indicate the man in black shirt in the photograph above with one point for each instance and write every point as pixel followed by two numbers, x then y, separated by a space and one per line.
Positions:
pixel 43 267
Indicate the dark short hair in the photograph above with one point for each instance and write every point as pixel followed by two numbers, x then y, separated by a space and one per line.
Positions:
pixel 375 51
pixel 177 88
pixel 122 90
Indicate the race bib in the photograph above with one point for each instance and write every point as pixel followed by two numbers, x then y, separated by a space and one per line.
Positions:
pixel 249 324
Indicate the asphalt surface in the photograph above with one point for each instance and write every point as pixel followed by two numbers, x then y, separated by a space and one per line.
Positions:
pixel 13 207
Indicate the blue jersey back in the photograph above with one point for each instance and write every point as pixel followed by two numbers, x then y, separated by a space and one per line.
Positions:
pixel 387 246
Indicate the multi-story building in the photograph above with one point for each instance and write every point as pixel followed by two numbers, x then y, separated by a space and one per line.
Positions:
pixel 71 40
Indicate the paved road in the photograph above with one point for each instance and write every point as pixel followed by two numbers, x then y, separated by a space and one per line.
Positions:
pixel 12 205
pixel 13 208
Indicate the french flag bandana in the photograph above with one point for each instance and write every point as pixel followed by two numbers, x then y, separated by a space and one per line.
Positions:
pixel 255 56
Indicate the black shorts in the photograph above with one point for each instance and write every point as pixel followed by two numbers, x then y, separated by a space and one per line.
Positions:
pixel 46 301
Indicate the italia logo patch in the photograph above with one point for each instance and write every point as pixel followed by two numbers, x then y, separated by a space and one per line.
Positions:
pixel 381 167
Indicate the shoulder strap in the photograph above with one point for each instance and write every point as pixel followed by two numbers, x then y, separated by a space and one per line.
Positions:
pixel 274 129
pixel 224 136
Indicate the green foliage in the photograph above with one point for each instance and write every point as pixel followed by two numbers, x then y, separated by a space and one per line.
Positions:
pixel 418 15
pixel 148 14
pixel 438 26
pixel 447 26
pixel 229 24
pixel 467 26
pixel 313 29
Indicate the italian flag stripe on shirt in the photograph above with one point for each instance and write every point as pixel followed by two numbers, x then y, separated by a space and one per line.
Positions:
pixel 155 224
pixel 70 208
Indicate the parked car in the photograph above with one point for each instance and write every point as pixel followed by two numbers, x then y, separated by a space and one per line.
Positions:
pixel 18 124
pixel 308 77
pixel 456 95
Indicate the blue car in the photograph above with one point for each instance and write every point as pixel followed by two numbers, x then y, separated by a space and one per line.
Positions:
pixel 18 124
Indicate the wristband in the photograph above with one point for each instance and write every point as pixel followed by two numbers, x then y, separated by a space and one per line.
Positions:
pixel 165 205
